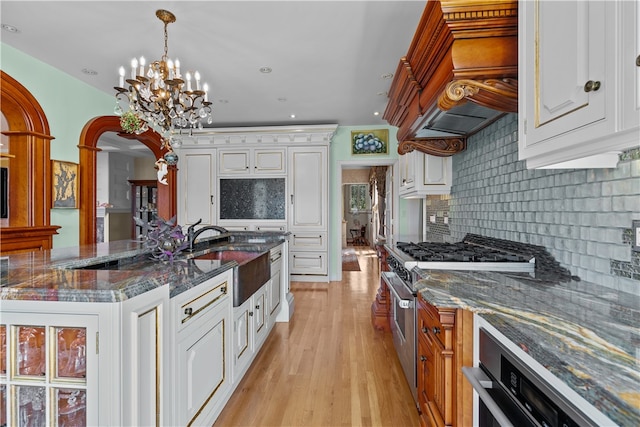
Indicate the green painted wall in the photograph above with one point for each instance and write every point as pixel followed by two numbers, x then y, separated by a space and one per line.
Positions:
pixel 68 104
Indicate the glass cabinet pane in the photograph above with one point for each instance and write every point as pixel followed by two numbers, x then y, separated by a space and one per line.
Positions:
pixel 31 406
pixel 71 355
pixel 31 350
pixel 3 405
pixel 71 407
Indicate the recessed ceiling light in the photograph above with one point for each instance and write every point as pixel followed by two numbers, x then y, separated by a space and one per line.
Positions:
pixel 10 28
pixel 293 116
pixel 89 72
pixel 376 113
pixel 265 70
pixel 387 76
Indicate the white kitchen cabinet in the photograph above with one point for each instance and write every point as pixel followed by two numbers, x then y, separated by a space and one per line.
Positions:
pixel 202 382
pixel 79 363
pixel 243 343
pixel 196 186
pixel 308 219
pixel 260 316
pixel 423 174
pixel 630 87
pixel 576 66
pixel 275 288
pixel 308 263
pixel 252 161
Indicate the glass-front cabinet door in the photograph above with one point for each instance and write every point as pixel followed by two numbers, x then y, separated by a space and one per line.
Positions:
pixel 44 366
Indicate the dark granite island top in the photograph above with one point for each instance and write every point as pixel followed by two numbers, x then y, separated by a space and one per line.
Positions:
pixel 586 335
pixel 117 271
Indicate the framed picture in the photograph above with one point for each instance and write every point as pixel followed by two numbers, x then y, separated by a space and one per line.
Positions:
pixel 370 141
pixel 64 184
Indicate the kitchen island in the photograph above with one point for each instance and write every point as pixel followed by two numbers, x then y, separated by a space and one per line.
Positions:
pixel 103 335
pixel 584 334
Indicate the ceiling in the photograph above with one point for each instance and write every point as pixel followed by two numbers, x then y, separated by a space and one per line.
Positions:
pixel 331 61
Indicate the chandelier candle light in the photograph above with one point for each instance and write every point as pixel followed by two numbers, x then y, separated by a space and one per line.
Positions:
pixel 158 96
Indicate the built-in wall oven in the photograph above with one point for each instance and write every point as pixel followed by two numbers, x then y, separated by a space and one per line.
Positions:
pixel 512 392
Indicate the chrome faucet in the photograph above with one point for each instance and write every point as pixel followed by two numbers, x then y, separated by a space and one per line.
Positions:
pixel 192 234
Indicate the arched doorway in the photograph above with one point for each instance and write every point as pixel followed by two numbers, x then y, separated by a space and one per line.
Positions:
pixel 27 167
pixel 88 149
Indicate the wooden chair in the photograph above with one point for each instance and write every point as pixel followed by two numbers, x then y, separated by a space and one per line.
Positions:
pixel 359 235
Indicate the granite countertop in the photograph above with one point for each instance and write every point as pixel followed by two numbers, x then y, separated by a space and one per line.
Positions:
pixel 117 271
pixel 586 335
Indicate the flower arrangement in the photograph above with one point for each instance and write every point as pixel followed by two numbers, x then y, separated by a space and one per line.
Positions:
pixel 164 238
pixel 131 122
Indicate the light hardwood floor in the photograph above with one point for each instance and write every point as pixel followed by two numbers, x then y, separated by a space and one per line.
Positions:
pixel 327 366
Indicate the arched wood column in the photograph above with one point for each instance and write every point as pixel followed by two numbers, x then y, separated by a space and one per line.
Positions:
pixel 28 224
pixel 88 150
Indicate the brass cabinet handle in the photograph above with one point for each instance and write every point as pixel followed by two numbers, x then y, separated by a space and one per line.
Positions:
pixel 436 330
pixel 591 86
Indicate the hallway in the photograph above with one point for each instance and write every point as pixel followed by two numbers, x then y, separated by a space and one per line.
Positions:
pixel 328 366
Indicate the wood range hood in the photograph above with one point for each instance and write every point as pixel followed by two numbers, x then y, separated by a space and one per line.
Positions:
pixel 459 75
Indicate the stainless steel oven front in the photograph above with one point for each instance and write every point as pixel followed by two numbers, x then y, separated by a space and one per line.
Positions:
pixel 511 393
pixel 403 326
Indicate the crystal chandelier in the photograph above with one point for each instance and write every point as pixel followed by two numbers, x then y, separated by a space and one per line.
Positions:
pixel 159 98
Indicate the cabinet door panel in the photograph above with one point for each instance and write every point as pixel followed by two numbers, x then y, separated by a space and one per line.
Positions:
pixel 568 51
pixel 202 367
pixel 308 263
pixel 308 187
pixel 630 87
pixel 233 162
pixel 269 161
pixel 197 175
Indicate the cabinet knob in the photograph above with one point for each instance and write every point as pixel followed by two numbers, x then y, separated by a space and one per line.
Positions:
pixel 188 311
pixel 591 86
pixel 638 61
pixel 423 358
pixel 258 307
pixel 425 330
pixel 223 289
pixel 251 313
pixel 436 330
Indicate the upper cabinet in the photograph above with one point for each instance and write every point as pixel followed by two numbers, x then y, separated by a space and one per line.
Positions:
pixel 579 94
pixel 252 161
pixel 460 74
pixel 423 174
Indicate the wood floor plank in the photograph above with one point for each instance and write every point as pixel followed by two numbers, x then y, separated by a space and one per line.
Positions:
pixel 327 367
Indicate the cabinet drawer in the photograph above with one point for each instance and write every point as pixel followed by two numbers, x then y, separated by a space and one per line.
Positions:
pixel 309 241
pixel 429 322
pixel 308 263
pixel 192 304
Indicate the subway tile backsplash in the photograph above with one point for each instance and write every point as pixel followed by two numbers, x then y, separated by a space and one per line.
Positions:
pixel 582 216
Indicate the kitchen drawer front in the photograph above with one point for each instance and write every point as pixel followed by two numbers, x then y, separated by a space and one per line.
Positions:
pixel 194 303
pixel 308 241
pixel 429 321
pixel 308 263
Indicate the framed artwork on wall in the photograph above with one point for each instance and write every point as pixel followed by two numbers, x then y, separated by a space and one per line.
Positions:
pixel 64 184
pixel 370 141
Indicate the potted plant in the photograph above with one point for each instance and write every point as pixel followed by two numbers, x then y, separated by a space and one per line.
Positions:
pixel 164 238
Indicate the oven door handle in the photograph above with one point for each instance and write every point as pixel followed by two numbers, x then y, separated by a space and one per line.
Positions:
pixel 480 382
pixel 391 280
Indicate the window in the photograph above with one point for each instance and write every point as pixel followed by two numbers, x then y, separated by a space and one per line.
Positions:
pixel 359 197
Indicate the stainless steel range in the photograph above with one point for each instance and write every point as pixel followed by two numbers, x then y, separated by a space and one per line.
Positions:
pixel 477 253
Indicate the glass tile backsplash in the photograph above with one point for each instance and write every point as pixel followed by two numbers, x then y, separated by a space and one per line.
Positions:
pixel 255 198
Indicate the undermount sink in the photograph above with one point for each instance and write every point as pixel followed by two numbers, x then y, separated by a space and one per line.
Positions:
pixel 253 271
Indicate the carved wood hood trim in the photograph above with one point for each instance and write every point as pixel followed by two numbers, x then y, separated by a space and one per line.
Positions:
pixel 462 51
